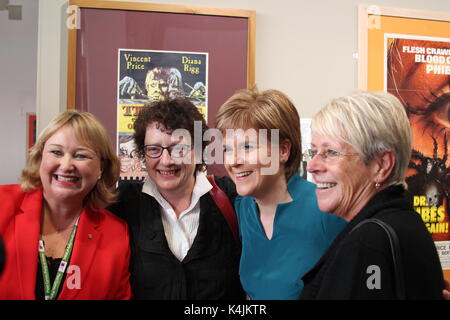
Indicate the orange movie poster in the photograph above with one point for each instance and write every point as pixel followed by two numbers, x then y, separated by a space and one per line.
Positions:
pixel 417 71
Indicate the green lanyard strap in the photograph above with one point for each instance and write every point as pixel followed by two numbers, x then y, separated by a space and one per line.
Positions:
pixel 52 291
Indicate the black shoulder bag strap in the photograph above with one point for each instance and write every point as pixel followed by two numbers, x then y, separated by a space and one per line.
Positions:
pixel 395 250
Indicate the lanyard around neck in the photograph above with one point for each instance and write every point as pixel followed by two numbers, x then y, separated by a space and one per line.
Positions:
pixel 52 291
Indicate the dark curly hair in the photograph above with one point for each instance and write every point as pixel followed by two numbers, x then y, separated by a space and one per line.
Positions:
pixel 172 114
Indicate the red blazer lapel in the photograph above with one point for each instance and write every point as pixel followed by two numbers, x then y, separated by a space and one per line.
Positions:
pixel 83 254
pixel 27 228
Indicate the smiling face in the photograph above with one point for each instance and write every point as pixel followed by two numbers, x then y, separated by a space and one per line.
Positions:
pixel 69 169
pixel 247 159
pixel 169 175
pixel 344 183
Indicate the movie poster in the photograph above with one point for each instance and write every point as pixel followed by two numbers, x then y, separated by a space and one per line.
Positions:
pixel 146 76
pixel 418 72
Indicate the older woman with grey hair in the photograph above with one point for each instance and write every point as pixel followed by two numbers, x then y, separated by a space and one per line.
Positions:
pixel 360 151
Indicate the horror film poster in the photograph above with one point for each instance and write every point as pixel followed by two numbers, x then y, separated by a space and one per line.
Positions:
pixel 148 76
pixel 418 73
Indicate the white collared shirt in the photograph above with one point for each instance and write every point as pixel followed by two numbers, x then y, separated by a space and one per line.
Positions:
pixel 180 231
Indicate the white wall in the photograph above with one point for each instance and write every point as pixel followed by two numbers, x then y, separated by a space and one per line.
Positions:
pixel 304 48
pixel 18 60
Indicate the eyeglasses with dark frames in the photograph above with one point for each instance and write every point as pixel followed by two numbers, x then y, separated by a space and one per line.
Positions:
pixel 175 151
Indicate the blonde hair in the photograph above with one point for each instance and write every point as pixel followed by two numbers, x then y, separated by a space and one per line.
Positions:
pixel 91 133
pixel 270 109
pixel 371 123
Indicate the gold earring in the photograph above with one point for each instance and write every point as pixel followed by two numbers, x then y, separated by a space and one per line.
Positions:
pixel 377 185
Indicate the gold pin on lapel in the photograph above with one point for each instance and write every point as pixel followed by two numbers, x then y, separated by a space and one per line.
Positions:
pixel 89 236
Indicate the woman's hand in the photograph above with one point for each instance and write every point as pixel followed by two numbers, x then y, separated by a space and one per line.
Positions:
pixel 446 291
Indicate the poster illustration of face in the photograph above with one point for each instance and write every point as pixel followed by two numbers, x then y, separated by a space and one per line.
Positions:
pixel 418 74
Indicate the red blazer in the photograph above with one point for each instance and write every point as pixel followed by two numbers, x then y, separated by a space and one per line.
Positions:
pixel 98 267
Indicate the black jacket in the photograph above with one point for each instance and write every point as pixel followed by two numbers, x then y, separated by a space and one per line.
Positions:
pixel 346 270
pixel 210 269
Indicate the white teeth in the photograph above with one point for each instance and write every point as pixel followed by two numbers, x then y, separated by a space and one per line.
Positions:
pixel 167 172
pixel 66 179
pixel 325 185
pixel 243 174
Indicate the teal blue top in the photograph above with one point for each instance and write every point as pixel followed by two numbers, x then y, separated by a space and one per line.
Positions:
pixel 273 269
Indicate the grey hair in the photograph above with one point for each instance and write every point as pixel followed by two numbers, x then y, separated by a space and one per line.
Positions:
pixel 371 122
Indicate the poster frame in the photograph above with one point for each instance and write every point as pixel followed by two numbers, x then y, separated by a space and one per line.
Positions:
pixel 368 18
pixel 195 11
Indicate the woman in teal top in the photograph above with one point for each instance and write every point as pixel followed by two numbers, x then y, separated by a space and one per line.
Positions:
pixel 273 268
pixel 283 232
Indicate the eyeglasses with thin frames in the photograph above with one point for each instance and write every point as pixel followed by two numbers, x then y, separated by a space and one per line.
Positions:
pixel 326 155
pixel 175 151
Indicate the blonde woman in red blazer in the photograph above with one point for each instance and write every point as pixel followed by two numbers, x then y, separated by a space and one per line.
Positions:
pixel 60 243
